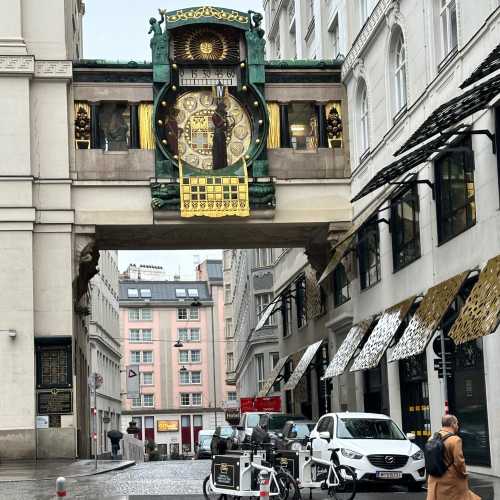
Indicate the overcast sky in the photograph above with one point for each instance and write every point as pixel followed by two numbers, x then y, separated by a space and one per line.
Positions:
pixel 117 29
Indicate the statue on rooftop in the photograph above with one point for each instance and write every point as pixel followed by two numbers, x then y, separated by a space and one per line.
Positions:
pixel 159 40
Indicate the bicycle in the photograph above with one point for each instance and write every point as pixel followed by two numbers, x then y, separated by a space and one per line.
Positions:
pixel 238 475
pixel 313 472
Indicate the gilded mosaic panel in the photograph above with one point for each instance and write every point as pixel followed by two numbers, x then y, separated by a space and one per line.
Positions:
pixel 344 354
pixel 314 306
pixel 301 368
pixel 427 317
pixel 381 336
pixel 272 377
pixel 480 314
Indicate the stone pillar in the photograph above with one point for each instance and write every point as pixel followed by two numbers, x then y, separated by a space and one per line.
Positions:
pixel 134 126
pixel 284 126
pixel 322 132
pixel 95 140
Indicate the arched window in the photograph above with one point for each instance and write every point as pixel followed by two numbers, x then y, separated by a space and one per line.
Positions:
pixel 363 120
pixel 398 55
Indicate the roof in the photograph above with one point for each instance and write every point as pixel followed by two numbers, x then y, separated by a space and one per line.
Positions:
pixel 162 291
pixel 487 67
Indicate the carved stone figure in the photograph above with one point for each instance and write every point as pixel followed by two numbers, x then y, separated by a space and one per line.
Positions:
pixel 219 147
pixel 159 40
pixel 166 196
pixel 333 124
pixel 87 269
pixel 114 127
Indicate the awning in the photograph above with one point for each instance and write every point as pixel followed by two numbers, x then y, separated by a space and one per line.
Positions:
pixel 271 308
pixel 314 301
pixel 344 354
pixel 480 314
pixel 348 239
pixel 487 67
pixel 270 381
pixel 381 336
pixel 453 112
pixel 427 317
pixel 301 368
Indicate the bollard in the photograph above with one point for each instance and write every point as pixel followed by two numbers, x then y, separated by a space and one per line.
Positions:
pixel 264 484
pixel 61 487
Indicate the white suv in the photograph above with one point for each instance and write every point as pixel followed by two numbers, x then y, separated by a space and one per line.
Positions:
pixel 373 445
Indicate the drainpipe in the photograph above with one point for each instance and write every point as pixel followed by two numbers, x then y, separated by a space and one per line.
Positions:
pixel 213 354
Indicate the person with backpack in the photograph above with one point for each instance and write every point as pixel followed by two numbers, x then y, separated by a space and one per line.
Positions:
pixel 445 464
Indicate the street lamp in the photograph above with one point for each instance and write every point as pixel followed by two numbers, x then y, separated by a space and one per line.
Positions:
pixel 183 369
pixel 178 343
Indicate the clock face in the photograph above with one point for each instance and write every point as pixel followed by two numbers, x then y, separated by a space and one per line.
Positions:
pixel 196 128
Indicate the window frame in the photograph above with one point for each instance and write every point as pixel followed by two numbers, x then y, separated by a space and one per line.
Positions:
pixel 261 306
pixel 180 317
pixel 407 245
pixel 152 396
pixel 447 27
pixel 192 315
pixel 399 66
pixel 364 120
pixel 132 353
pixel 301 301
pixel 339 298
pixel 191 360
pixel 134 294
pixel 364 252
pixel 147 362
pixel 227 293
pixel 184 394
pixel 229 361
pixel 143 382
pixel 441 217
pixel 229 396
pixel 260 370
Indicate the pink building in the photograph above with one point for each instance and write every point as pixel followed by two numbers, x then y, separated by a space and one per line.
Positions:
pixel 174 332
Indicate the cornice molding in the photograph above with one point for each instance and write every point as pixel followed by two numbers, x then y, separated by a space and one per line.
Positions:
pixel 371 25
pixel 54 69
pixel 17 64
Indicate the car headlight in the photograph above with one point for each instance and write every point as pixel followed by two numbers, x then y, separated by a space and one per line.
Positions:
pixel 419 455
pixel 296 446
pixel 351 454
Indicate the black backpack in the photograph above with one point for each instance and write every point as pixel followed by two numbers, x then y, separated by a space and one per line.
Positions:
pixel 434 455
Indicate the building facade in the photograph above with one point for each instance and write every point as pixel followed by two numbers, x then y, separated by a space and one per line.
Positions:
pixel 105 348
pixel 174 332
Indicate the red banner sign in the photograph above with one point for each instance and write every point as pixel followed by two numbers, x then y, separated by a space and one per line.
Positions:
pixel 267 404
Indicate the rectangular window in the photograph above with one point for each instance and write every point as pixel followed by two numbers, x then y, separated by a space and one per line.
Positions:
pixel 136 402
pixel 182 313
pixel 227 293
pixel 135 357
pixel 449 39
pixel 405 230
pixel 285 309
pixel 134 336
pixel 229 362
pixel 194 314
pixel 193 292
pixel 147 378
pixel 196 377
pixel 300 301
pixel 194 335
pixel 184 377
pixel 134 315
pixel 369 254
pixel 262 300
pixel 303 121
pixel 183 334
pixel 148 400
pixel 232 396
pixel 146 315
pixel 147 336
pixel 180 293
pixel 146 292
pixel 133 292
pixel 274 358
pixel 455 192
pixel 334 37
pixel 196 399
pixel 147 357
pixel 228 328
pixel 340 284
pixel 263 257
pixel 184 399
pixel 363 11
pixel 259 365
pixel 195 356
pixel 183 356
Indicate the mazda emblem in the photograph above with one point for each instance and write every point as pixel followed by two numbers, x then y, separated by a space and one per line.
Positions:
pixel 389 459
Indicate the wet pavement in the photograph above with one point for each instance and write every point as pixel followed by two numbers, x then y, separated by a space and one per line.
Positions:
pixel 183 479
pixel 31 470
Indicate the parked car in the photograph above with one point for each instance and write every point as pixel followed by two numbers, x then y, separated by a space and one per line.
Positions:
pixel 204 441
pixel 293 434
pixel 373 445
pixel 250 420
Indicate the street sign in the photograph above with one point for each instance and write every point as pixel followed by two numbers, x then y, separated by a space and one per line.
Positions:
pixel 133 382
pixel 95 380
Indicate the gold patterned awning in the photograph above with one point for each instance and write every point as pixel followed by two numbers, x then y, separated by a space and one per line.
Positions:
pixel 480 314
pixel 427 317
pixel 381 336
pixel 301 368
pixel 272 377
pixel 344 354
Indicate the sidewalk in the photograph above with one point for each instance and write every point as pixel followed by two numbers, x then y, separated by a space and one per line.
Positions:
pixel 31 470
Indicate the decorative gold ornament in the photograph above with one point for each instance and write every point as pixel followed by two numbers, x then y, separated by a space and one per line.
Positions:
pixel 244 88
pixel 199 12
pixel 164 141
pixel 257 140
pixel 242 65
pixel 160 122
pixel 174 66
pixel 206 44
pixel 174 88
pixel 256 104
pixel 164 104
pixel 261 122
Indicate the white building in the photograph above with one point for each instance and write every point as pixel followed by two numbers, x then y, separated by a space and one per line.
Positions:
pixel 145 272
pixel 105 344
